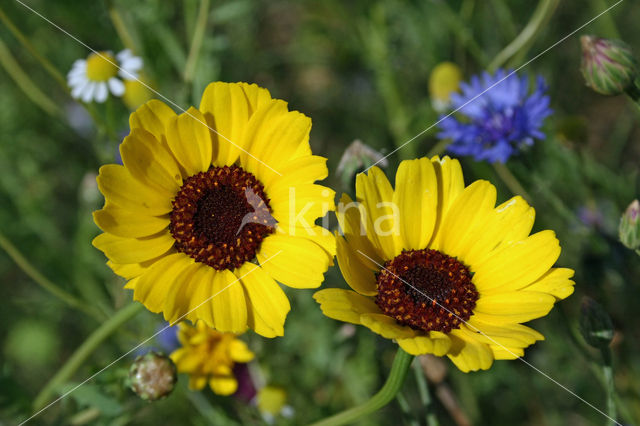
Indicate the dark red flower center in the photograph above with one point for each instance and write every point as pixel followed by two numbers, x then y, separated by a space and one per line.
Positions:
pixel 221 216
pixel 426 290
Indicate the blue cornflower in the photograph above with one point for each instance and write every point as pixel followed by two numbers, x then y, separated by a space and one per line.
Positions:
pixel 499 122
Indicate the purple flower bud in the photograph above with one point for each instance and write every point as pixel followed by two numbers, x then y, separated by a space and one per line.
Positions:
pixel 608 66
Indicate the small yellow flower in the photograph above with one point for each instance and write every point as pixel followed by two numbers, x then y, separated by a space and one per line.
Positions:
pixel 271 400
pixel 440 269
pixel 208 356
pixel 214 205
pixel 136 92
pixel 444 80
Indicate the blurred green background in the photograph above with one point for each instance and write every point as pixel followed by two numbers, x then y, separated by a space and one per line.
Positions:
pixel 360 69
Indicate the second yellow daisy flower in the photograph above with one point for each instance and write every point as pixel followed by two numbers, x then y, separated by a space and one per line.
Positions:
pixel 437 267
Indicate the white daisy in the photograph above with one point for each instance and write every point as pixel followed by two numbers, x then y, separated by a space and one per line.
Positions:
pixel 93 78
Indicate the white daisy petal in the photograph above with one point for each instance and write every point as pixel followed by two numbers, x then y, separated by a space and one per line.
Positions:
pixel 124 54
pixel 132 64
pixel 128 74
pixel 116 86
pixel 79 88
pixel 87 93
pixel 74 80
pixel 101 92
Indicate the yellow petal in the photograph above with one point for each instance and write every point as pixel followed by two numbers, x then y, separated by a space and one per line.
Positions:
pixel 128 270
pixel 133 250
pixel 121 189
pixel 150 162
pixel 229 305
pixel 386 326
pixel 124 223
pixel 268 305
pixel 197 382
pixel 294 261
pixel 517 264
pixel 189 140
pixel 382 216
pixel 152 117
pixel 349 215
pixel 344 305
pixel 307 169
pixel 503 352
pixel 201 289
pixel 556 282
pixel 435 343
pixel 154 285
pixel 355 273
pixel 514 306
pixel 450 185
pixel 511 335
pixel 416 196
pixel 273 136
pixel 299 206
pixel 466 218
pixel 256 95
pixel 227 110
pixel 223 385
pixel 177 301
pixel 510 221
pixel 472 355
pixel 239 351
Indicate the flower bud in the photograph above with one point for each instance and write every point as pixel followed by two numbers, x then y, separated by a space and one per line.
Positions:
pixel 595 324
pixel 443 81
pixel 629 229
pixel 608 66
pixel 357 157
pixel 152 376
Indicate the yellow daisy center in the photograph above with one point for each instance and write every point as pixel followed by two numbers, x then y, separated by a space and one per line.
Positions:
pixel 426 290
pixel 101 66
pixel 221 216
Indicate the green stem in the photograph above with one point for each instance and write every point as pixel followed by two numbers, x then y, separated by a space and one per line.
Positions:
pixel 607 370
pixel 84 351
pixel 196 41
pixel 121 28
pixel 425 397
pixel 42 281
pixel 375 38
pixel 24 41
pixel 439 147
pixel 511 181
pixel 399 370
pixel 11 66
pixel 525 39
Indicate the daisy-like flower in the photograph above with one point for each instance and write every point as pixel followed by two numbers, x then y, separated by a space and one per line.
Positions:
pixel 93 78
pixel 437 267
pixel 208 356
pixel 203 222
pixel 499 122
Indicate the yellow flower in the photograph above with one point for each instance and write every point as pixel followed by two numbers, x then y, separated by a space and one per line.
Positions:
pixel 203 222
pixel 271 400
pixel 136 92
pixel 208 356
pixel 438 268
pixel 444 80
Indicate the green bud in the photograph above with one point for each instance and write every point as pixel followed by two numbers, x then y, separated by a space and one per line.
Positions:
pixel 595 324
pixel 629 229
pixel 357 157
pixel 608 66
pixel 152 376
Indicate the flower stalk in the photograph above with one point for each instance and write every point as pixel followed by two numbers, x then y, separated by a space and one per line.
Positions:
pixel 84 351
pixel 399 370
pixel 42 281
